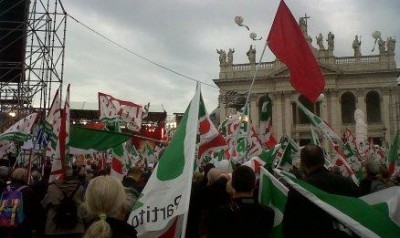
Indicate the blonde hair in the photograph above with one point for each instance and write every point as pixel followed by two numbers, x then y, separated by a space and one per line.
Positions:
pixel 105 196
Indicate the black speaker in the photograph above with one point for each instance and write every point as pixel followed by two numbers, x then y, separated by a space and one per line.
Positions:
pixel 13 33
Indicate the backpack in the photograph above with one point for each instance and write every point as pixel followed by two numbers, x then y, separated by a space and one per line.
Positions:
pixel 67 212
pixel 11 208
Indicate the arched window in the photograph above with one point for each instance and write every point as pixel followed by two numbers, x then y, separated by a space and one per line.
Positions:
pixel 373 102
pixel 299 117
pixel 265 108
pixel 265 114
pixel 348 104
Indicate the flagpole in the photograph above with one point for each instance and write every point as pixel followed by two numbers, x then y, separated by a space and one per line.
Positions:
pixel 190 180
pixel 30 167
pixel 255 74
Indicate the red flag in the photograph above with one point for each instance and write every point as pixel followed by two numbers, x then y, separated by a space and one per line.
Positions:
pixel 270 142
pixel 287 42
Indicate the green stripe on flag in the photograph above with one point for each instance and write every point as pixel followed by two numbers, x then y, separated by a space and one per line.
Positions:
pixel 173 167
pixel 393 153
pixel 273 194
pixel 85 138
pixel 15 136
pixel 355 214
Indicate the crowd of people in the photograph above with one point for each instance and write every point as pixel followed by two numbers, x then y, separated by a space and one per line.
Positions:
pixel 223 203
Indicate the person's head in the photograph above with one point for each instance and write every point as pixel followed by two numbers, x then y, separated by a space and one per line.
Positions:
pixel 105 197
pixel 243 179
pixel 312 157
pixel 4 173
pixel 20 175
pixel 69 172
pixel 372 167
pixel 213 175
pixel 135 172
pixel 36 176
pixel 207 168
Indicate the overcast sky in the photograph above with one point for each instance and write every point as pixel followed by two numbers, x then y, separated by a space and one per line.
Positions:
pixel 183 35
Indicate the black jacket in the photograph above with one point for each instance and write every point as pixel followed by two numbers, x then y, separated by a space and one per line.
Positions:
pixel 304 219
pixel 129 182
pixel 243 218
pixel 121 229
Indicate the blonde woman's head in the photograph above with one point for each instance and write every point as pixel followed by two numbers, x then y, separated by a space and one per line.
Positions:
pixel 105 197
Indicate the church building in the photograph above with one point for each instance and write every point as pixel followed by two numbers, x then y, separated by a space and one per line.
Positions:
pixel 364 82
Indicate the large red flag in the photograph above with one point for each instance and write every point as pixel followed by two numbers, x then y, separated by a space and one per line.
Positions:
pixel 288 43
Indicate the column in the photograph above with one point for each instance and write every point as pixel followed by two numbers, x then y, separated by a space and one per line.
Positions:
pixel 222 107
pixel 360 94
pixel 278 119
pixel 385 109
pixel 324 107
pixel 288 115
pixel 255 117
pixel 335 112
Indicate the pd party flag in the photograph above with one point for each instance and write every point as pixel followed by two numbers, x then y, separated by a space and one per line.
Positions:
pixel 358 216
pixel 115 109
pixel 287 42
pixel 20 131
pixel 167 192
pixel 393 153
pixel 273 193
pixel 52 126
pixel 210 139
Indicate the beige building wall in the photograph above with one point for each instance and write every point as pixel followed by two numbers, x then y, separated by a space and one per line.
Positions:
pixel 357 75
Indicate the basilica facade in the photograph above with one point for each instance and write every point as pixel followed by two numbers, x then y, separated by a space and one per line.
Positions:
pixel 365 82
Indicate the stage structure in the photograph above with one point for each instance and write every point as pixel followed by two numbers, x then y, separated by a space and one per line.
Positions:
pixel 32 49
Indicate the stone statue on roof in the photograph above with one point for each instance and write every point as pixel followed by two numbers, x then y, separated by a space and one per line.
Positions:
pixel 251 54
pixel 320 42
pixel 230 56
pixel 357 46
pixel 331 41
pixel 391 45
pixel 222 57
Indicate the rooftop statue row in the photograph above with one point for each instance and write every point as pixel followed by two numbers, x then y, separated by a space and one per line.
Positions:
pixel 385 47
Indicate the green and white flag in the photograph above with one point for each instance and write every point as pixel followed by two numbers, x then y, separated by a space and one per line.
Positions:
pixel 20 131
pixel 326 130
pixel 314 137
pixel 52 126
pixel 87 140
pixel 358 216
pixel 394 154
pixel 286 153
pixel 273 193
pixel 387 201
pixel 167 192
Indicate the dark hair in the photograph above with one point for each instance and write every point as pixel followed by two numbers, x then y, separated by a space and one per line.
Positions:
pixel 243 179
pixel 207 168
pixel 311 156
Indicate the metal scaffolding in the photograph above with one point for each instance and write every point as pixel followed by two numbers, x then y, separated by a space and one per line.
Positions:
pixel 43 66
